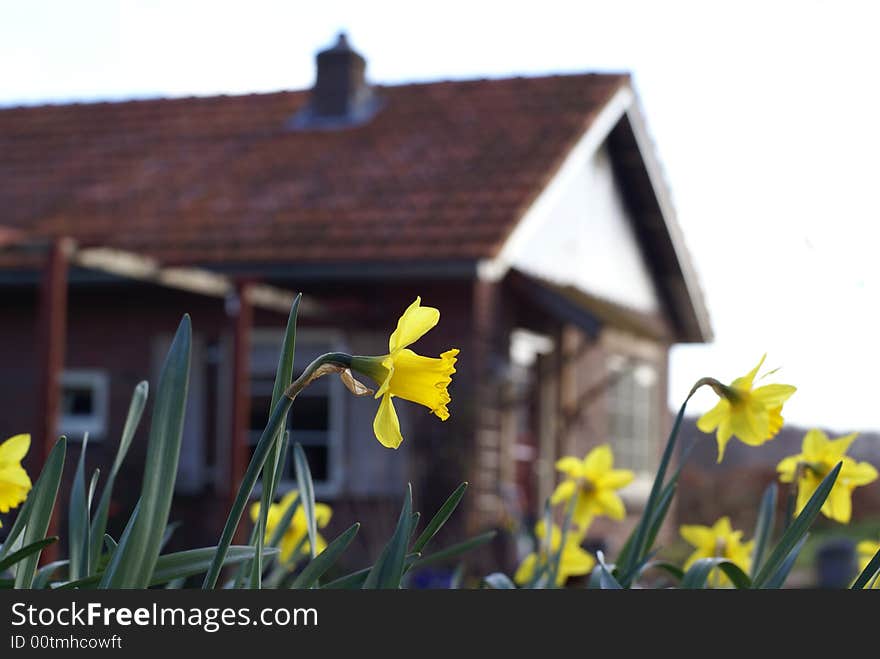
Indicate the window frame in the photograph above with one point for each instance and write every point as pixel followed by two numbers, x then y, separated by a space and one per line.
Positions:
pixel 95 424
pixel 635 493
pixel 330 340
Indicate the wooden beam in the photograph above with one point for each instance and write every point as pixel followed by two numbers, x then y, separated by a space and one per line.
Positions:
pixel 242 312
pixel 51 336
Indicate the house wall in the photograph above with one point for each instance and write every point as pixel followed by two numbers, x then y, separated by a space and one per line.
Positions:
pixel 124 330
pixel 583 236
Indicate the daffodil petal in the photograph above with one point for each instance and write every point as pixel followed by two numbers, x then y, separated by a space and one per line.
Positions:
pixel 711 419
pixel 857 473
pixel 413 324
pixel 722 528
pixel 15 448
pixel 386 425
pixel 838 447
pixel 787 468
pixel 815 443
pixel 584 510
pixel 598 461
pixel 323 513
pixel 774 395
pixel 563 492
pixel 526 570
pixel 840 504
pixel 616 479
pixel 751 424
pixel 611 504
pixel 571 466
pixel 697 536
pixel 725 432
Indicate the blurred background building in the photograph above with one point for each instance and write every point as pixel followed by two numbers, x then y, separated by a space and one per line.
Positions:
pixel 531 211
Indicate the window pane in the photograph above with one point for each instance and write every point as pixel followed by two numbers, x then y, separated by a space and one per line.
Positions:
pixel 310 413
pixel 77 401
pixel 317 457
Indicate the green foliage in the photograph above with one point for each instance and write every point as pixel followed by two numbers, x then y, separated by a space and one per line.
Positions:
pixel 95 560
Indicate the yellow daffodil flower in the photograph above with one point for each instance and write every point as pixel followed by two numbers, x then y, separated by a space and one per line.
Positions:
pixel 866 550
pixel 14 481
pixel 754 415
pixel 718 541
pixel 593 481
pixel 573 561
pixel 298 530
pixel 818 456
pixel 403 373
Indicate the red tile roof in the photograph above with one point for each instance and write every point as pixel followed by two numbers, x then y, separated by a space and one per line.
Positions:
pixel 443 171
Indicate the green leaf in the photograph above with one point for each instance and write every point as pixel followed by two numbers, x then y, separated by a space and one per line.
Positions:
pixel 556 557
pixel 274 465
pixel 777 579
pixel 17 527
pixel 78 519
pixel 42 498
pixel 764 526
pixel 440 518
pixel 44 574
pixel 306 494
pixel 699 572
pixel 669 568
pixel 499 581
pixel 115 558
pixel 258 459
pixel 326 559
pixel 24 552
pixel 455 550
pixel 180 565
pixel 457 578
pixel 797 529
pixel 388 571
pixel 636 548
pixel 605 578
pixel 139 552
pixel 353 580
pixel 168 532
pixel 867 574
pixel 99 521
pixel 284 523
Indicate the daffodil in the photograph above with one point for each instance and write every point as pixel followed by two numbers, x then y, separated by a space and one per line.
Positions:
pixel 754 415
pixel 573 561
pixel 405 374
pixel 14 480
pixel 592 482
pixel 866 550
pixel 296 535
pixel 818 456
pixel 718 541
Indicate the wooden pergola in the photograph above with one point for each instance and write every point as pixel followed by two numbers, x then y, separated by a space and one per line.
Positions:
pixel 54 258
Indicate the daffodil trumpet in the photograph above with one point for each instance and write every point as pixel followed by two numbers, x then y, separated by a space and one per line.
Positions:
pixel 404 374
pixel 399 373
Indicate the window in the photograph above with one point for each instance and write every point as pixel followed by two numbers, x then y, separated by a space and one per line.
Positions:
pixel 316 417
pixel 83 404
pixel 632 411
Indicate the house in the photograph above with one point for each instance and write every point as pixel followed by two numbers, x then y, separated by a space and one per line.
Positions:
pixel 531 211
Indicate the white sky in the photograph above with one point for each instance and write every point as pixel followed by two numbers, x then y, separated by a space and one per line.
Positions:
pixel 766 117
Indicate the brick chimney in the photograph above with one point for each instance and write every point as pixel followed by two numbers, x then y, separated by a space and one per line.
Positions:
pixel 341 96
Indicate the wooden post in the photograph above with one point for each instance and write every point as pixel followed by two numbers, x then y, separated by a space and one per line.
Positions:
pixel 51 337
pixel 243 313
pixel 487 465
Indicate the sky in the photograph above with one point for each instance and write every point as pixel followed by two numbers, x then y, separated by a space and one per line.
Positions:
pixel 764 116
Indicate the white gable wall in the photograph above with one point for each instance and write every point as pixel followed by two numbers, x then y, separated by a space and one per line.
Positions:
pixel 583 236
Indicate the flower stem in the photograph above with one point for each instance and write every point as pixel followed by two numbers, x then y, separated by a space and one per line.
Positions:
pixel 331 362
